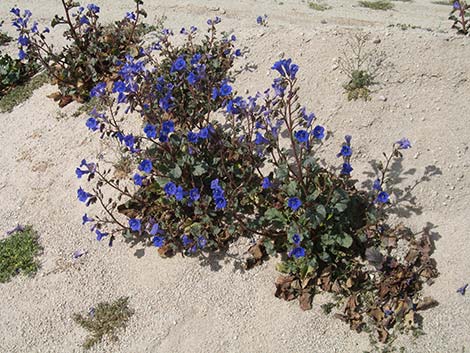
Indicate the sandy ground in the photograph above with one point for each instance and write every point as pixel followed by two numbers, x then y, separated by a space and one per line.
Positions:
pixel 183 305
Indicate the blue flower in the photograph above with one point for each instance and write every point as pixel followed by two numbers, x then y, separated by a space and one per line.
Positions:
pixel 294 203
pixel 178 65
pixel 179 194
pixel 456 5
pixel 346 169
pixel 93 8
pixel 383 197
pixel 21 54
pixel 201 242
pixel 194 194
pixel 98 90
pixel 215 93
pixel 266 184
pixel 83 195
pixel 168 126
pixel 23 41
pixel 81 173
pixel 92 124
pixel 84 20
pixel 146 166
pixel 462 289
pixel 138 179
pixel 100 235
pixel 220 203
pixel 86 219
pixel 301 136
pixel 214 184
pixel 376 185
pixel 286 68
pixel 319 132
pixel 195 59
pixel 346 151
pixel 204 133
pixel 260 139
pixel 348 138
pixel 403 144
pixel 296 239
pixel 129 140
pixel 186 240
pixel 150 131
pixel 155 229
pixel 192 78
pixel 238 52
pixel 135 224
pixel 225 90
pixel 158 241
pixel 297 252
pixel 131 16
pixel 170 188
pixel 192 137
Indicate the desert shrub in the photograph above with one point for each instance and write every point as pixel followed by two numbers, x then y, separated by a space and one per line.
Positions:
pixel 18 253
pixel 4 38
pixel 210 166
pixel 104 321
pixel 460 15
pixel 383 5
pixel 361 65
pixel 92 50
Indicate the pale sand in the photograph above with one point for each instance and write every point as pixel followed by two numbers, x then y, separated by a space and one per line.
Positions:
pixel 182 306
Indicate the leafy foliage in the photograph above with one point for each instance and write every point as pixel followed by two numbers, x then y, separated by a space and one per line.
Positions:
pixel 383 5
pixel 460 15
pixel 92 52
pixel 210 167
pixel 18 253
pixel 4 38
pixel 13 73
pixel 104 320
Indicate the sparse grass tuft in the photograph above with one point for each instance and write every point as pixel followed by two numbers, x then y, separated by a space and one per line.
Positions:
pixel 104 321
pixel 21 93
pixel 318 6
pixel 442 2
pixel 383 5
pixel 18 254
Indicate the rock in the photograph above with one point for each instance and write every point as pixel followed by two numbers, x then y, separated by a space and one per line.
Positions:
pixel 383 98
pixel 323 22
pixel 281 55
pixel 334 67
pixel 376 40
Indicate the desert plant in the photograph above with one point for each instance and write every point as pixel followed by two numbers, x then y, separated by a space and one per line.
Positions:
pixel 13 73
pixel 18 253
pixel 361 65
pixel 318 6
pixel 104 321
pixel 4 38
pixel 383 5
pixel 460 14
pixel 210 167
pixel 92 52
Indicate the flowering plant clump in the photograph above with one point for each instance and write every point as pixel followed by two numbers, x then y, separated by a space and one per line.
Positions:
pixel 13 72
pixel 211 166
pixel 93 50
pixel 460 14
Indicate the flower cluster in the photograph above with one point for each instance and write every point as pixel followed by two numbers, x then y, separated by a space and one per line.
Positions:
pixel 460 15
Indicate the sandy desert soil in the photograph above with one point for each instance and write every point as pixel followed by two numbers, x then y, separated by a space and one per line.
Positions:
pixel 185 305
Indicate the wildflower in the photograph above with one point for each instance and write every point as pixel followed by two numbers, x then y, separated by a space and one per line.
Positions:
pixel 201 242
pixel 286 68
pixel 238 52
pixel 225 90
pixel 195 59
pixel 403 144
pixel 266 183
pixel 204 133
pixel 86 219
pixel 192 78
pixel 178 65
pixel 23 41
pixel 131 16
pixel 92 124
pixel 260 139
pixel 220 203
pixel 84 20
pixel 135 224
pixel 81 173
pixel 319 132
pixel 296 239
pixel 93 8
pixel 82 195
pixel 376 185
pixel 215 93
pixel 301 136
pixel 146 166
pixel 462 289
pixel 348 138
pixel 297 252
pixel 129 141
pixel 21 54
pixel 98 90
pixel 179 194
pixel 138 179
pixel 346 169
pixel 168 126
pixel 155 229
pixel 194 194
pixel 383 197
pixel 346 151
pixel 294 203
pixel 170 188
pixel 158 241
pixel 100 235
pixel 192 137
pixel 215 184
pixel 150 131
pixel 456 5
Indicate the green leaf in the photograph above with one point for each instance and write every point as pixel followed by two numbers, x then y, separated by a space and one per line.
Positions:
pixel 176 172
pixel 321 212
pixel 292 188
pixel 199 170
pixel 274 214
pixel 345 240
